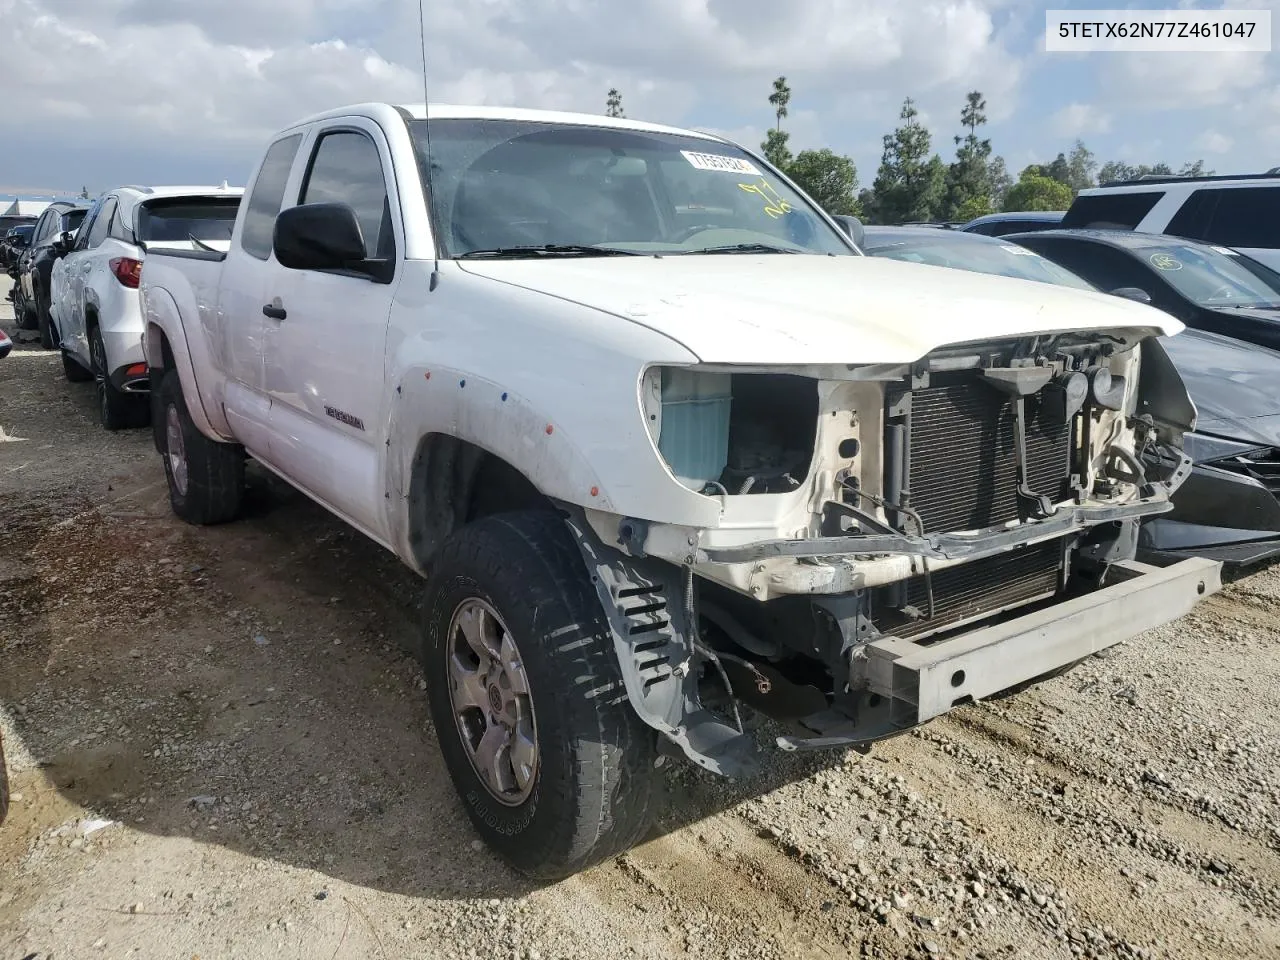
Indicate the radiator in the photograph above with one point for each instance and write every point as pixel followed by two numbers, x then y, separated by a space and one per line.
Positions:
pixel 973 590
pixel 962 472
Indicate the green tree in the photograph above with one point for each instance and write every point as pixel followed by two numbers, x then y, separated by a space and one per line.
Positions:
pixel 780 99
pixel 776 149
pixel 1059 169
pixel 613 104
pixel 1081 166
pixel 1194 168
pixel 1114 170
pixel 1035 191
pixel 968 179
pixel 910 183
pixel 1001 181
pixel 830 179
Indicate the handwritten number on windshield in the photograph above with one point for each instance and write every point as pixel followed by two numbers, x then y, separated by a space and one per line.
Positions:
pixel 774 205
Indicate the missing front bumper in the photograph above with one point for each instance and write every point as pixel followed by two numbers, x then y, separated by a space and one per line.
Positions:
pixel 922 682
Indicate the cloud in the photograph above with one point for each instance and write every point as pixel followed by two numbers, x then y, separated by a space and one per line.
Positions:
pixel 1079 120
pixel 1177 81
pixel 1211 141
pixel 219 77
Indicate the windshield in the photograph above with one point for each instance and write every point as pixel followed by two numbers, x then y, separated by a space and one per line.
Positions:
pixel 183 220
pixel 1213 277
pixel 504 185
pixel 971 253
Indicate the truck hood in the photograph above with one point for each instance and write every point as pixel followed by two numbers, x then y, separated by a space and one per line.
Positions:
pixel 801 309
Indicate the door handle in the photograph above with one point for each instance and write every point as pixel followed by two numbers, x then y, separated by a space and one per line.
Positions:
pixel 274 311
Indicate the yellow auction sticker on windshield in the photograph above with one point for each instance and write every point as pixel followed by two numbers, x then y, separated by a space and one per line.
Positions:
pixel 720 164
pixel 1162 261
pixel 774 205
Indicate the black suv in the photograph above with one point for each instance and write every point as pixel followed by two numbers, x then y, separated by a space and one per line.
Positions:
pixel 53 236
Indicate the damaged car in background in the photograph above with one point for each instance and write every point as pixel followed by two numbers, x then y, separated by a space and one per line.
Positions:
pixel 664 445
pixel 1228 508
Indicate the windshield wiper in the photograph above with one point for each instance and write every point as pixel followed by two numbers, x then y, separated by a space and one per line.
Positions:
pixel 546 250
pixel 744 248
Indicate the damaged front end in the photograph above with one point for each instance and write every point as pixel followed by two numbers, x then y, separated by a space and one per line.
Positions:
pixel 893 540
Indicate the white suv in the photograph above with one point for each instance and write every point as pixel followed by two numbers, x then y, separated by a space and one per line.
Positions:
pixel 95 309
pixel 1242 212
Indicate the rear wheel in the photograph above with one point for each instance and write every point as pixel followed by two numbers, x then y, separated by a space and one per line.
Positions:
pixel 206 478
pixel 44 320
pixel 116 409
pixel 554 767
pixel 73 371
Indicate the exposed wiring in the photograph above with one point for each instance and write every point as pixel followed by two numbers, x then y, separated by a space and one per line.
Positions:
pixel 695 641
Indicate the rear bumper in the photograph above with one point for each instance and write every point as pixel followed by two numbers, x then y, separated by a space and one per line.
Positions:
pixel 923 682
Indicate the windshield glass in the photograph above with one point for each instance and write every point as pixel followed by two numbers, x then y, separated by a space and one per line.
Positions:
pixel 970 253
pixel 1213 277
pixel 203 219
pixel 502 184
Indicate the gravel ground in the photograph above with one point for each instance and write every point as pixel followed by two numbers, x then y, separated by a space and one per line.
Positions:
pixel 219 748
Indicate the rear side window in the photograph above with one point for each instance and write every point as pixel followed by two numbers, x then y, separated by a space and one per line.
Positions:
pixel 1232 217
pixel 1111 211
pixel 267 196
pixel 346 169
pixel 98 232
pixel 182 220
pixel 44 227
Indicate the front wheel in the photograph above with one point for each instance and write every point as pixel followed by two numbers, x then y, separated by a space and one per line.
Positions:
pixel 205 477
pixel 554 767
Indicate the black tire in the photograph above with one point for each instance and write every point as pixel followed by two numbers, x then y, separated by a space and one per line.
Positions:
pixel 4 785
pixel 116 409
pixel 25 311
pixel 44 321
pixel 214 471
pixel 73 371
pixel 594 787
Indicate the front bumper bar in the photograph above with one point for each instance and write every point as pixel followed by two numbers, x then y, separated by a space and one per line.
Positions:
pixel 923 682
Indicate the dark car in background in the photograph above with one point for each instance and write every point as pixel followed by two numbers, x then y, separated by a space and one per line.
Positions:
pixel 1207 287
pixel 14 241
pixel 53 236
pixel 1229 507
pixel 1021 221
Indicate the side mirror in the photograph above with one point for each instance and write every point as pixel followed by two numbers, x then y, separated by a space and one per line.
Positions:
pixel 67 240
pixel 1137 294
pixel 318 236
pixel 852 226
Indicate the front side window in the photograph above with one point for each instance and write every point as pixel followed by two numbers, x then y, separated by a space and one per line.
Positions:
pixel 267 197
pixel 1244 217
pixel 518 187
pixel 346 169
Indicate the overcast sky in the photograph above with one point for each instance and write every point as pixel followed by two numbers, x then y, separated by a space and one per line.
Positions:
pixel 103 92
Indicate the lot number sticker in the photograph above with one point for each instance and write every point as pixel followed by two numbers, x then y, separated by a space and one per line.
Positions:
pixel 1162 261
pixel 717 163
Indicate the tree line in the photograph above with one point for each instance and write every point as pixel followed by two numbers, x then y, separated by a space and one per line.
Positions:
pixel 913 183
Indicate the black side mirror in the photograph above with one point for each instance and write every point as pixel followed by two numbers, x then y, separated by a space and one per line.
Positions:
pixel 319 236
pixel 1137 294
pixel 67 240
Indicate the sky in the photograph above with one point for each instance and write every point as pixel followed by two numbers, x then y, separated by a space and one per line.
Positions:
pixel 105 92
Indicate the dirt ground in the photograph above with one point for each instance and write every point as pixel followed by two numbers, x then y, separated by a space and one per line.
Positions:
pixel 219 748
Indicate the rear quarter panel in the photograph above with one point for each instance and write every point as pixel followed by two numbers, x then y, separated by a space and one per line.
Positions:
pixel 180 298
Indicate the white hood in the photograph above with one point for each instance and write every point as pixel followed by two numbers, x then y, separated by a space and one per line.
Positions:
pixel 800 309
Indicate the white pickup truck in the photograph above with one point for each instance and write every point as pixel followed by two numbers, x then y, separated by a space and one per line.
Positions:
pixel 663 444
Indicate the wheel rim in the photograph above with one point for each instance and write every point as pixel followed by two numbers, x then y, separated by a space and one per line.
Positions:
pixel 176 449
pixel 98 359
pixel 489 696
